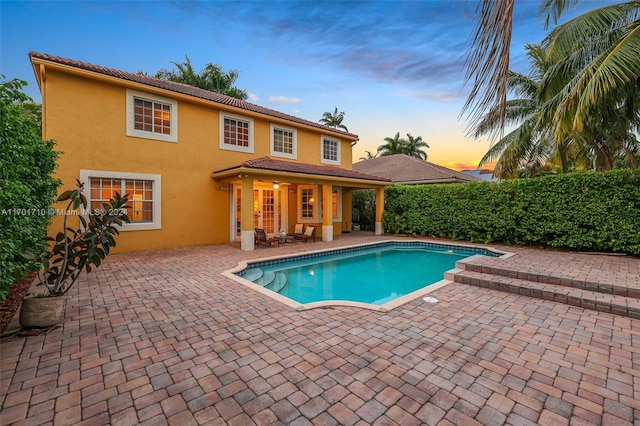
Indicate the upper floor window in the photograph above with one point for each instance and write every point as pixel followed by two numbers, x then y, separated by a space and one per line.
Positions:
pixel 143 190
pixel 330 150
pixel 284 142
pixel 151 117
pixel 236 133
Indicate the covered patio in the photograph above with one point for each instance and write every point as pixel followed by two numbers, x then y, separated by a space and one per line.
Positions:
pixel 276 194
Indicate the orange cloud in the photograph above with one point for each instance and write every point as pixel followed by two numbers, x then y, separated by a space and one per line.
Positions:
pixel 467 165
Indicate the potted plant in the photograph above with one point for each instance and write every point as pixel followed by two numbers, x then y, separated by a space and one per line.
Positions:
pixel 71 252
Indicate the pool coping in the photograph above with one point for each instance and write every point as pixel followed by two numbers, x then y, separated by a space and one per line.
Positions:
pixel 231 274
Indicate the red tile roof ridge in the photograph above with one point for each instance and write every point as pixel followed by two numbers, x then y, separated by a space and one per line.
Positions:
pixel 184 89
pixel 268 163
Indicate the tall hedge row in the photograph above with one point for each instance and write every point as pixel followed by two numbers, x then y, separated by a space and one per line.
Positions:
pixel 581 211
pixel 27 189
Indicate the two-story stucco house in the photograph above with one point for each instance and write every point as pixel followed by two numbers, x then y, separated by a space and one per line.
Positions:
pixel 199 167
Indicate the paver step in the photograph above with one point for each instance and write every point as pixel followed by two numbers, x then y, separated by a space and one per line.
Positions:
pixel 624 287
pixel 266 279
pixel 587 299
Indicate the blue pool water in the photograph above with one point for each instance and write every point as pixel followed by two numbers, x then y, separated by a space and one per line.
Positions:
pixel 372 274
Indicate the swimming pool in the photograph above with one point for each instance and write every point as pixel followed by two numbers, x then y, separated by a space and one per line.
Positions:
pixel 369 274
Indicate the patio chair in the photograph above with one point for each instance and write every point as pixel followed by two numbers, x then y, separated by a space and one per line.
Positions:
pixel 298 231
pixel 309 233
pixel 261 237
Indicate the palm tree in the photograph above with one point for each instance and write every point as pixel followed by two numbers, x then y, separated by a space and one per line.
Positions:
pixel 393 146
pixel 368 156
pixel 334 119
pixel 600 49
pixel 532 143
pixel 212 78
pixel 414 147
pixel 599 106
pixel 588 96
pixel 607 137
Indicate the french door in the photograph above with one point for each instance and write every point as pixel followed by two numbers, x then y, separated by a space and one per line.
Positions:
pixel 269 209
pixel 265 216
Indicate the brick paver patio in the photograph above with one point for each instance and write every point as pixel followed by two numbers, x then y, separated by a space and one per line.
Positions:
pixel 163 338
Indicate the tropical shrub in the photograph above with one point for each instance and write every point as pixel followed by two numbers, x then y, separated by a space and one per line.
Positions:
pixel 27 189
pixel 364 209
pixel 73 251
pixel 581 211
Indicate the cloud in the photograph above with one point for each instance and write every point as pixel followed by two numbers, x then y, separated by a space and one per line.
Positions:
pixel 253 97
pixel 391 41
pixel 282 100
pixel 468 165
pixel 417 43
pixel 441 95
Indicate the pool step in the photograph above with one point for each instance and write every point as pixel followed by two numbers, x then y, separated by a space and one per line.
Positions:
pixel 279 283
pixel 570 295
pixel 266 279
pixel 252 274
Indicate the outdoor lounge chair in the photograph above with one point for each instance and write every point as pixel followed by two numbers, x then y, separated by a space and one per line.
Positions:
pixel 261 237
pixel 298 231
pixel 309 233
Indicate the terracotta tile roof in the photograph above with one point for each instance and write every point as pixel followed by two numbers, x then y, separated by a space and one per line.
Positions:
pixel 401 168
pixel 268 163
pixel 184 89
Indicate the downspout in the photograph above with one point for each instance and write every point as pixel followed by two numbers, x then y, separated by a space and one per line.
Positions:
pixel 43 112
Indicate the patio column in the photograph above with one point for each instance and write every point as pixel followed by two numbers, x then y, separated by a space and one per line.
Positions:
pixel 327 212
pixel 247 241
pixel 379 210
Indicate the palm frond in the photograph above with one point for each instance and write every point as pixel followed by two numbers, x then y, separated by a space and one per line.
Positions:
pixel 517 111
pixel 488 60
pixel 497 149
pixel 552 9
pixel 617 69
pixel 588 31
pixel 522 86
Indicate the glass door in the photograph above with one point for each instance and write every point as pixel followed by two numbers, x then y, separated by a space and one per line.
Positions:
pixel 265 216
pixel 269 210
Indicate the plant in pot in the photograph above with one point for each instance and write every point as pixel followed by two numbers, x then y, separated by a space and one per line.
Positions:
pixel 71 252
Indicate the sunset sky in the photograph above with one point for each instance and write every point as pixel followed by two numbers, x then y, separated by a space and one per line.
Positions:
pixel 391 66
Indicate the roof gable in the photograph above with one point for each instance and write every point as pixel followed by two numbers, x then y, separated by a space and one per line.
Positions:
pixel 185 89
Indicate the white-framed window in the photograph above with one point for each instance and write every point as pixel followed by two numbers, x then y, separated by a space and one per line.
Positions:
pixel 284 142
pixel 151 116
pixel 308 202
pixel 236 133
pixel 144 195
pixel 329 150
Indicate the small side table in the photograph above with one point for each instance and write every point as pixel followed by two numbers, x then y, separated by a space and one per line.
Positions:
pixel 287 239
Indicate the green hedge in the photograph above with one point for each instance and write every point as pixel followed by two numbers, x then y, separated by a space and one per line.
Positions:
pixel 27 189
pixel 581 211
